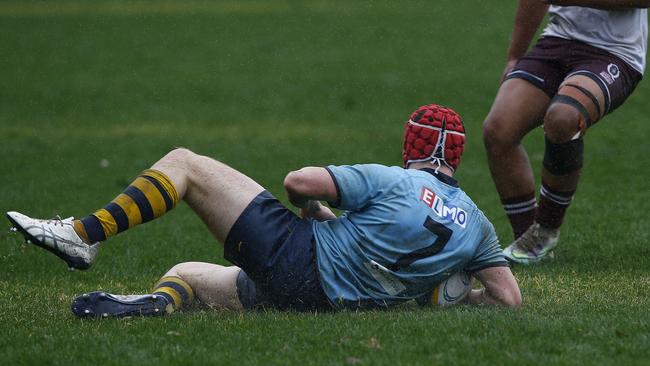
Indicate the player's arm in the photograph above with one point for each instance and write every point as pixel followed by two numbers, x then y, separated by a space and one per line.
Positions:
pixel 529 16
pixel 601 4
pixel 308 186
pixel 499 288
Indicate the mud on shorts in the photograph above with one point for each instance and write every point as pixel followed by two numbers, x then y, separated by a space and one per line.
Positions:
pixel 553 59
pixel 276 251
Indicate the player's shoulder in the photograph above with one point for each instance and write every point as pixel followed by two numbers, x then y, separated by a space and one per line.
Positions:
pixel 369 167
pixel 474 213
pixel 376 175
pixel 384 172
pixel 485 226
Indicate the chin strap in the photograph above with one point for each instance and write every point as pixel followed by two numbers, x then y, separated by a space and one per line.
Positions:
pixel 436 162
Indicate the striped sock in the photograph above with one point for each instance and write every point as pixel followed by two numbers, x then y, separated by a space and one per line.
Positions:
pixel 150 196
pixel 521 212
pixel 552 206
pixel 175 290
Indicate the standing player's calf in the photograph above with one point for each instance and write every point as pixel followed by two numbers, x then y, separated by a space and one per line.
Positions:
pixel 568 81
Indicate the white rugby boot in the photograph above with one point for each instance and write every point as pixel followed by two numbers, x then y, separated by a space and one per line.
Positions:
pixel 57 236
pixel 535 244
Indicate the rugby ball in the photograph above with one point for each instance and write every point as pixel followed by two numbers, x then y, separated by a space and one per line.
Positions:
pixel 452 290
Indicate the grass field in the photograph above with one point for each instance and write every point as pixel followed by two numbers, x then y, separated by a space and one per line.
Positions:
pixel 270 86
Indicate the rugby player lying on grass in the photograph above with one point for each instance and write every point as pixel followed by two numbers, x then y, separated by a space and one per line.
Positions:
pixel 404 231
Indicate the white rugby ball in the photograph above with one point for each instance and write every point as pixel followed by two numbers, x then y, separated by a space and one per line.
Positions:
pixel 452 290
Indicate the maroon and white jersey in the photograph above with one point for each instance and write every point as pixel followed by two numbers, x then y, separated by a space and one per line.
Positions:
pixel 623 33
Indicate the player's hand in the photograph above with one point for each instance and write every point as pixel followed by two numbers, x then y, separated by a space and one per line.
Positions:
pixel 510 65
pixel 315 210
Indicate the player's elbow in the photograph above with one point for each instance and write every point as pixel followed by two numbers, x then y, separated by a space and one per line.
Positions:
pixel 511 298
pixel 296 184
pixel 293 182
pixel 303 181
pixel 310 183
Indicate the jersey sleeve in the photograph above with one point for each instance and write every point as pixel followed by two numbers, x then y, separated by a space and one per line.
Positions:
pixel 357 185
pixel 489 253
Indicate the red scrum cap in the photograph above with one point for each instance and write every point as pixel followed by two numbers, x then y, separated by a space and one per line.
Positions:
pixel 434 133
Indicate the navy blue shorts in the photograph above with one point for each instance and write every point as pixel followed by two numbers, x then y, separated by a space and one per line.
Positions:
pixel 554 59
pixel 276 250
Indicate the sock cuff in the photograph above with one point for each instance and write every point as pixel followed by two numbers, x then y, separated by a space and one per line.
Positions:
pixel 517 199
pixel 81 231
pixel 519 204
pixel 173 298
pixel 163 183
pixel 561 198
pixel 178 289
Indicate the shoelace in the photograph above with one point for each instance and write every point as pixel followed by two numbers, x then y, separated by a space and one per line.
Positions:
pixel 56 220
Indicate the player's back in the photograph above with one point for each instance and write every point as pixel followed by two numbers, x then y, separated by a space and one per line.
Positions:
pixel 403 232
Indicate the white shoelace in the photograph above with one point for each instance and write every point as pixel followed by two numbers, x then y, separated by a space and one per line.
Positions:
pixel 56 220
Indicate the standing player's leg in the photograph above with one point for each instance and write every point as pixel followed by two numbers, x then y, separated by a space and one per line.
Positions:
pixel 212 285
pixel 517 109
pixel 586 83
pixel 216 192
pixel 579 103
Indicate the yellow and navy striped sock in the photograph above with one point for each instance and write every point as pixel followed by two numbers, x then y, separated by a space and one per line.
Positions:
pixel 150 196
pixel 175 290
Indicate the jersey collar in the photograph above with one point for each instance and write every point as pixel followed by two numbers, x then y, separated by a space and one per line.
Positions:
pixel 442 177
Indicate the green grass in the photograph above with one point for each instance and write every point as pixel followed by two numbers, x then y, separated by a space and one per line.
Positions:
pixel 269 86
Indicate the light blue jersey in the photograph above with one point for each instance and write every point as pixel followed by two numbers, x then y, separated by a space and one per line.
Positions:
pixel 403 232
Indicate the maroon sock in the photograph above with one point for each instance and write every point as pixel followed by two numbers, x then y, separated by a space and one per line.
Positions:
pixel 521 212
pixel 552 206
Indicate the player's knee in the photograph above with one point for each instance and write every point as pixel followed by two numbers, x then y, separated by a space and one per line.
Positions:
pixel 561 123
pixel 186 160
pixel 179 154
pixel 495 134
pixel 182 270
pixel 564 149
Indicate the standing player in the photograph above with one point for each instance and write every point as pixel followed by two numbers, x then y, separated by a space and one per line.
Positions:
pixel 588 60
pixel 405 230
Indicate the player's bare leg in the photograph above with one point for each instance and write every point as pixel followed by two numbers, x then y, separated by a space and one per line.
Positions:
pixel 577 106
pixel 518 108
pixel 182 286
pixel 216 192
pixel 213 285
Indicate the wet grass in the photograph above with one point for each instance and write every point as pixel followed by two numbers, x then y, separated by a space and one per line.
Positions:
pixel 92 94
